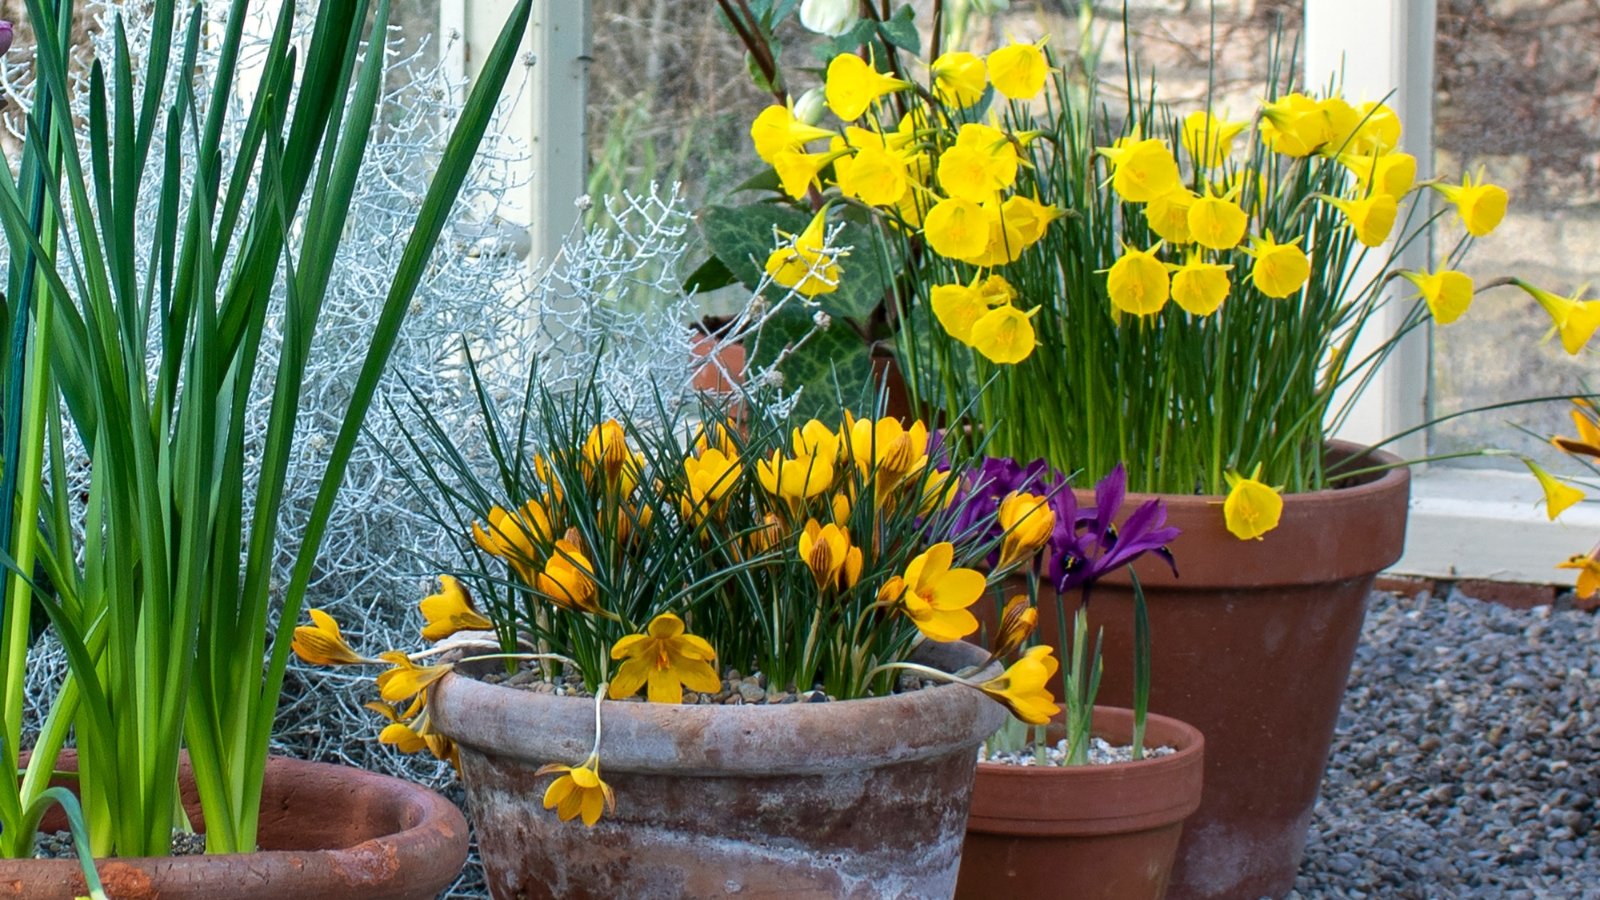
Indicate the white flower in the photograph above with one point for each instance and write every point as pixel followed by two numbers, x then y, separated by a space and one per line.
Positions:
pixel 830 17
pixel 811 105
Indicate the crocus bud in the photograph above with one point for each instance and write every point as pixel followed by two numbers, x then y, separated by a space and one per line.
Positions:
pixel 811 105
pixel 5 36
pixel 830 17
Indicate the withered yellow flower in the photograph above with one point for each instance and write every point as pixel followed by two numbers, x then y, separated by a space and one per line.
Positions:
pixel 579 791
pixel 321 644
pixel 450 611
pixel 1584 420
pixel 406 679
pixel 664 660
pixel 1588 566
pixel 1024 687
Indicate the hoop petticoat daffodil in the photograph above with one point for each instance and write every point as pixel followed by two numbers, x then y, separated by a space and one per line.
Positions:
pixel 934 596
pixel 959 78
pixel 805 264
pixel 1216 222
pixel 1168 215
pixel 1005 335
pixel 1024 687
pixel 956 228
pixel 1208 139
pixel 1386 173
pixel 1138 283
pixel 321 643
pixel 450 611
pixel 1574 319
pixel 1480 205
pixel 777 128
pixel 1199 287
pixel 1280 269
pixel 852 84
pixel 1294 125
pixel 1371 217
pixel 578 792
pixel 1142 170
pixel 1588 566
pixel 1252 508
pixel 1558 497
pixel 1018 71
pixel 665 659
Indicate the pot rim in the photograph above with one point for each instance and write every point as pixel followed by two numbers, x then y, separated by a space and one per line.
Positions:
pixel 1373 484
pixel 1098 799
pixel 753 739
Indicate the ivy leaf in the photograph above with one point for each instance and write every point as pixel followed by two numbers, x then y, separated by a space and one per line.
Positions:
pixel 709 276
pixel 901 31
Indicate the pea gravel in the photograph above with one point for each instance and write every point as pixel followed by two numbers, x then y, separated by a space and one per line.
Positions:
pixel 1467 758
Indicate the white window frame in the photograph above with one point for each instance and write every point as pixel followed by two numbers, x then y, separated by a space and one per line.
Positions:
pixel 1465 523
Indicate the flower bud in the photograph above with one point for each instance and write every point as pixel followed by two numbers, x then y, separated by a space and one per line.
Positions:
pixel 811 105
pixel 5 36
pixel 1017 623
pixel 830 17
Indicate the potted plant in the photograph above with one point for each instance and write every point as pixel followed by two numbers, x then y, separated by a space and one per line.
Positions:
pixel 1050 817
pixel 147 515
pixel 786 596
pixel 1191 295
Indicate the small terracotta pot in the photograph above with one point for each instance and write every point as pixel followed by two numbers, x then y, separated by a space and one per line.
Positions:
pixel 862 798
pixel 1087 832
pixel 1252 644
pixel 327 833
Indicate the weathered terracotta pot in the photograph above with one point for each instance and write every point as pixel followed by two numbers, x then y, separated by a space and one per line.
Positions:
pixel 327 833
pixel 1252 644
pixel 863 798
pixel 1086 832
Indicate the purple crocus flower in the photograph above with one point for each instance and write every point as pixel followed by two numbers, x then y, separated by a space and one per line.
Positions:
pixel 1087 543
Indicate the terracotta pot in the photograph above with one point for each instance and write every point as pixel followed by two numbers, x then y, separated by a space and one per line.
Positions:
pixel 1086 832
pixel 1252 644
pixel 864 798
pixel 327 833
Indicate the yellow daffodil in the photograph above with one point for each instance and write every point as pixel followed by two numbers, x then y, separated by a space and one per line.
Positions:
pixel 957 307
pixel 1371 217
pixel 956 228
pixel 1447 292
pixel 1027 219
pixel 1027 520
pixel 876 176
pixel 1480 205
pixel 959 78
pixel 665 660
pixel 1378 131
pixel 805 264
pixel 827 552
pixel 1017 623
pixel 450 611
pixel 1588 566
pixel 1005 335
pixel 982 163
pixel 1199 286
pixel 1342 121
pixel 1024 688
pixel 996 290
pixel 1142 170
pixel 1209 139
pixel 406 679
pixel 1018 71
pixel 579 791
pixel 776 128
pixel 1217 222
pixel 709 477
pixel 799 171
pixel 852 84
pixel 1137 282
pixel 1384 173
pixel 1294 125
pixel 1587 443
pixel 321 644
pixel 512 536
pixel 568 579
pixel 1252 508
pixel 795 480
pixel 934 596
pixel 1558 496
pixel 1280 269
pixel 1574 319
pixel 1168 215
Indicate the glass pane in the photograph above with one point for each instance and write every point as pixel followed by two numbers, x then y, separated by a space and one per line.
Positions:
pixel 1516 97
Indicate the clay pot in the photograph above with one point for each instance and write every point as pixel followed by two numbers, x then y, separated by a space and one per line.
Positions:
pixel 1086 832
pixel 862 798
pixel 1252 644
pixel 327 832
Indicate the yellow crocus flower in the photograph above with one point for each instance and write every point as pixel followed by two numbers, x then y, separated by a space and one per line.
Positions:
pixel 1252 508
pixel 321 643
pixel 665 660
pixel 1019 71
pixel 852 84
pixel 1280 269
pixel 1017 623
pixel 934 596
pixel 1208 139
pixel 710 477
pixel 1027 520
pixel 1480 205
pixel 1005 335
pixel 511 536
pixel 888 451
pixel 1137 282
pixel 776 128
pixel 578 792
pixel 959 78
pixel 1142 170
pixel 1587 443
pixel 568 579
pixel 795 480
pixel 1168 215
pixel 1588 566
pixel 406 679
pixel 828 553
pixel 1199 286
pixel 805 265
pixel 1574 319
pixel 1216 222
pixel 1447 292
pixel 1372 217
pixel 450 611
pixel 1024 688
pixel 1558 496
pixel 956 228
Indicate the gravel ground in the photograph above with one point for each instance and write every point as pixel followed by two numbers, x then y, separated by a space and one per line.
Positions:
pixel 1467 761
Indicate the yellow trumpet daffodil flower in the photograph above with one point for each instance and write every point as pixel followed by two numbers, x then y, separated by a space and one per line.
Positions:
pixel 958 307
pixel 1252 508
pixel 875 175
pixel 1294 125
pixel 1137 282
pixel 1216 222
pixel 956 228
pixel 1018 71
pixel 1384 173
pixel 1447 292
pixel 1280 269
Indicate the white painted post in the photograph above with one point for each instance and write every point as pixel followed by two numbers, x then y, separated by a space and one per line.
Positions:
pixel 1384 46
pixel 549 115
